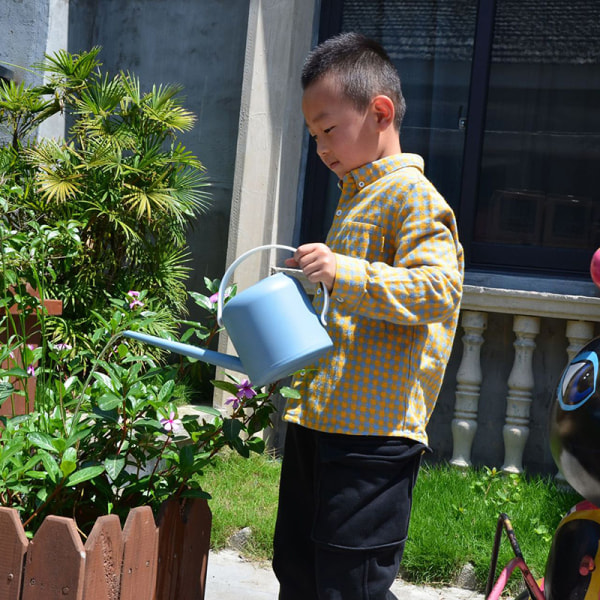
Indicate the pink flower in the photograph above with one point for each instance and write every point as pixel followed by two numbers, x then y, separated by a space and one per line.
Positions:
pixel 30 370
pixel 135 302
pixel 62 346
pixel 171 423
pixel 214 298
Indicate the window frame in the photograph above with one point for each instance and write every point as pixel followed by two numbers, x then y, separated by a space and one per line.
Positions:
pixel 486 257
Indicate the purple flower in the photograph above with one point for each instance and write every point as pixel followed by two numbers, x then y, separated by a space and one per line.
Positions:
pixel 135 302
pixel 171 423
pixel 245 390
pixel 30 370
pixel 235 402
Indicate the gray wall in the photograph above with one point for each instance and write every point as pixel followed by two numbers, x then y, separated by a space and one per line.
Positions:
pixel 200 45
pixel 24 34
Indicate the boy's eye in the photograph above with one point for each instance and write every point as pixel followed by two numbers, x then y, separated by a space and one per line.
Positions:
pixel 328 129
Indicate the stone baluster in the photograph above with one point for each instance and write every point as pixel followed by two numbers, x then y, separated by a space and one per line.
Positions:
pixel 520 386
pixel 468 378
pixel 578 333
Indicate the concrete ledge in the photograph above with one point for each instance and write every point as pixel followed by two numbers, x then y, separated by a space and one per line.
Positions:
pixel 538 304
pixel 512 301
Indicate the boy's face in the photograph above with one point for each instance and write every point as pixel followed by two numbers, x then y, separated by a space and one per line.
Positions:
pixel 346 138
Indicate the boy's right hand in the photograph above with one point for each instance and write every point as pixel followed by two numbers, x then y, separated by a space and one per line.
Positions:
pixel 317 262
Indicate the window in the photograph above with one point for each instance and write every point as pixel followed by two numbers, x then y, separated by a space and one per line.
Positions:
pixel 502 104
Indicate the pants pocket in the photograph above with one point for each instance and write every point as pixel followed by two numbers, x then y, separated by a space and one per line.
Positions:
pixel 364 493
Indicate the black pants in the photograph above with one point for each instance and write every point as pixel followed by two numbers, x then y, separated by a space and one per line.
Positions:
pixel 344 509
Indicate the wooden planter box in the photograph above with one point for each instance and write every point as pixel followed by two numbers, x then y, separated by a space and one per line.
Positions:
pixel 19 404
pixel 142 562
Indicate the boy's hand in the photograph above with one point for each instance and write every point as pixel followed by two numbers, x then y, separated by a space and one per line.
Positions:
pixel 317 262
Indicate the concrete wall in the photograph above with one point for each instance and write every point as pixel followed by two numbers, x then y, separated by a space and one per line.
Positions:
pixel 201 46
pixel 25 25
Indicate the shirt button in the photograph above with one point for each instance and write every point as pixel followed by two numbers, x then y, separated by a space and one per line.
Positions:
pixel 338 213
pixel 339 299
pixel 318 291
pixel 361 184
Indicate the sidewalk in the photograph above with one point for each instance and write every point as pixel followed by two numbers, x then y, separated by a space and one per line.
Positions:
pixel 230 577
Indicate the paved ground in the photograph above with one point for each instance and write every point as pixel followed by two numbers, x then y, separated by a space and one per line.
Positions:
pixel 230 577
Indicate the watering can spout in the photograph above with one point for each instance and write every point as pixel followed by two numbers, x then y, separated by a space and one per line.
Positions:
pixel 232 363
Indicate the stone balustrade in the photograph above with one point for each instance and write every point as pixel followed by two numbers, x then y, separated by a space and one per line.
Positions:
pixel 528 308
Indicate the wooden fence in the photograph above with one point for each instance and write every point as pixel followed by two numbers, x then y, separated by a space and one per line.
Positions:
pixel 142 562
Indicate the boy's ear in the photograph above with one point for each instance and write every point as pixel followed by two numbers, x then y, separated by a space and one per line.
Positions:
pixel 384 110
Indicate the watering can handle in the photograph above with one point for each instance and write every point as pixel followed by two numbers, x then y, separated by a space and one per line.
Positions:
pixel 239 259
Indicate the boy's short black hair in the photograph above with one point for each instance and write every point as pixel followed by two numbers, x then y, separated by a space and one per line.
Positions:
pixel 363 68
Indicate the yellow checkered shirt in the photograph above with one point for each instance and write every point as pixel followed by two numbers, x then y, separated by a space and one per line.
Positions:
pixel 394 306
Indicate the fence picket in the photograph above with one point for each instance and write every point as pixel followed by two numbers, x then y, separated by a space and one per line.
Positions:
pixel 140 548
pixel 103 559
pixel 183 543
pixel 13 547
pixel 55 562
pixel 113 564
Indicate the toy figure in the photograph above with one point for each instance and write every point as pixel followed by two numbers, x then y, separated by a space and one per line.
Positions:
pixel 571 570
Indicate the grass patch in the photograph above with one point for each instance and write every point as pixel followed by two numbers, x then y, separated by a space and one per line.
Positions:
pixel 244 494
pixel 453 520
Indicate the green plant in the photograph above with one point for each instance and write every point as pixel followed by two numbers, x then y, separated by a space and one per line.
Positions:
pixel 120 178
pixel 104 439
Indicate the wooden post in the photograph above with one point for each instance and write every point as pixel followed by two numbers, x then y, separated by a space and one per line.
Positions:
pixel 55 562
pixel 184 541
pixel 140 547
pixel 13 547
pixel 103 560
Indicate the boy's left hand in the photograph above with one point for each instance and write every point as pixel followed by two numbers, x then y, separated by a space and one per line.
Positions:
pixel 317 262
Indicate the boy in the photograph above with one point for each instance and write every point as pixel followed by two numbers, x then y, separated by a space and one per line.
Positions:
pixel 394 267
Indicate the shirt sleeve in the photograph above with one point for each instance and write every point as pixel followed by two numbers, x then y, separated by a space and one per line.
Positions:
pixel 424 283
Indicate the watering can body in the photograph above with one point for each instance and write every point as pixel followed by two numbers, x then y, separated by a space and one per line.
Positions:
pixel 272 325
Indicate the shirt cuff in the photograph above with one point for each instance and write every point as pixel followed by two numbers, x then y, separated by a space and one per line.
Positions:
pixel 350 282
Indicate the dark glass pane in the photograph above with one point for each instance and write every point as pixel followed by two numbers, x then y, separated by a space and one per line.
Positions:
pixel 539 180
pixel 431 43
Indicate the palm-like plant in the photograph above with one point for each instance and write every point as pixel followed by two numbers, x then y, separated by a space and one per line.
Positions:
pixel 121 174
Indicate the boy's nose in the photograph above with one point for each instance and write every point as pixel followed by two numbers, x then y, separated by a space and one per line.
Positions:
pixel 322 150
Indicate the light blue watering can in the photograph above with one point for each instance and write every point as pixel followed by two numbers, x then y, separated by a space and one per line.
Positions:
pixel 272 324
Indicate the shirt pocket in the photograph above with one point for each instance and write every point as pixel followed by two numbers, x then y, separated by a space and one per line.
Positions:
pixel 361 240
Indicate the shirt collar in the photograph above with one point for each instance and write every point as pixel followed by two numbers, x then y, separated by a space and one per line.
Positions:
pixel 363 176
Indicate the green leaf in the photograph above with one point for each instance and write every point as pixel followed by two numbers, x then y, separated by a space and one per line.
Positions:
pixel 51 466
pixel 69 462
pixel 288 392
pixel 114 465
pixel 197 493
pixel 166 391
pixel 6 389
pixel 209 410
pixel 226 386
pixel 108 402
pixel 256 444
pixel 84 475
pixel 231 429
pixel 186 457
pixel 42 440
